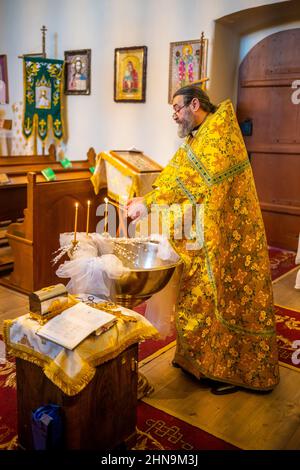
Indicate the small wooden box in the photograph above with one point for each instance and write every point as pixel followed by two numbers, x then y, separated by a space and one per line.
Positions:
pixel 44 301
pixel 100 417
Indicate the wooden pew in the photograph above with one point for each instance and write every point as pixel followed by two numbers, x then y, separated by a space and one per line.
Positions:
pixel 13 195
pixel 50 211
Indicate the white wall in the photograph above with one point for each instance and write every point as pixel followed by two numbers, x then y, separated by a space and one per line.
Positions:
pixel 103 25
pixel 224 64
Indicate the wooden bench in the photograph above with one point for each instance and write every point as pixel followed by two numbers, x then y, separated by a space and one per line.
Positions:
pixel 50 211
pixel 13 196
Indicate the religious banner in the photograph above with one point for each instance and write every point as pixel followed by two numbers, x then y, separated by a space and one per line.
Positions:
pixel 43 81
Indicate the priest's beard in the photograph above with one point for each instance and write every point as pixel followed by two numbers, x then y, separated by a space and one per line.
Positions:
pixel 187 124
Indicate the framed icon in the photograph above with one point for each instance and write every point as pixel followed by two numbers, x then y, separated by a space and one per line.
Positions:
pixel 130 74
pixel 78 72
pixel 4 99
pixel 187 63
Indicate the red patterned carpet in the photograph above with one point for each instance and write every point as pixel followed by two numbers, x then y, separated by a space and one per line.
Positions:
pixel 163 431
pixel 8 405
pixel 288 326
pixel 156 430
pixel 159 430
pixel 281 261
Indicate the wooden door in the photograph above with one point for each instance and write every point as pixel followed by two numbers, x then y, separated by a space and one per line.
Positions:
pixel 266 97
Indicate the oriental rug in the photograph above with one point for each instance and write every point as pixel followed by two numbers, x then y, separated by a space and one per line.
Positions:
pixel 288 337
pixel 8 403
pixel 281 261
pixel 156 430
pixel 161 431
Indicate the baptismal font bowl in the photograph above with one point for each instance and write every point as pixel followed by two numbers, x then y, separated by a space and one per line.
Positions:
pixel 147 274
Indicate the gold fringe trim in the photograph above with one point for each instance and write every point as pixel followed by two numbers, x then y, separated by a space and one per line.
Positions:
pixel 70 386
pixel 6 325
pixel 21 350
pixel 144 387
pixel 100 358
pixel 25 356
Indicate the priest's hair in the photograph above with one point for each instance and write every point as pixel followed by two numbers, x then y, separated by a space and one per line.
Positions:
pixel 195 91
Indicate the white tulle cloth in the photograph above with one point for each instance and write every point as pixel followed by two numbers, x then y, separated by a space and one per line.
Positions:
pixel 93 267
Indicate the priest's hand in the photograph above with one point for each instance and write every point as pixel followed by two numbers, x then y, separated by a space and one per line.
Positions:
pixel 136 208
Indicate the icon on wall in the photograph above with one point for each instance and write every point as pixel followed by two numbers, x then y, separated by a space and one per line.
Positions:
pixel 78 72
pixel 3 80
pixel 187 63
pixel 130 74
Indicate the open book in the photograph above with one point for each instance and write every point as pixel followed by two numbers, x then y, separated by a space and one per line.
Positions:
pixel 74 325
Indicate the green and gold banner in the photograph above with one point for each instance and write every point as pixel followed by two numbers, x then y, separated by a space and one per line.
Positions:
pixel 43 82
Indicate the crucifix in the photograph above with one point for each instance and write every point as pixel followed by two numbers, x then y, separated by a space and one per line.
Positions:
pixel 44 29
pixel 201 81
pixel 44 55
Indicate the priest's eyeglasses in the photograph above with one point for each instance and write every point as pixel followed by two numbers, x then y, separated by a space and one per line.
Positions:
pixel 176 111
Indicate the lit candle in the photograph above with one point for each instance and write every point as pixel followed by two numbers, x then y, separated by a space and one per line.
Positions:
pixel 123 214
pixel 105 214
pixel 76 218
pixel 88 217
pixel 124 199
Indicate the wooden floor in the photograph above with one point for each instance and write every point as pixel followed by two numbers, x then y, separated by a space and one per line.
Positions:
pixel 12 305
pixel 249 420
pixel 284 290
pixel 245 419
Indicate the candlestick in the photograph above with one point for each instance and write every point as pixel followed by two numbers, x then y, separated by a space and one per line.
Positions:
pixel 75 223
pixel 105 214
pixel 88 218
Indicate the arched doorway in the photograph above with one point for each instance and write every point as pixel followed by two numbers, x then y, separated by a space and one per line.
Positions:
pixel 266 97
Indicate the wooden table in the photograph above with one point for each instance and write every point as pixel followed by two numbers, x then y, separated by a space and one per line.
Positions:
pixel 100 417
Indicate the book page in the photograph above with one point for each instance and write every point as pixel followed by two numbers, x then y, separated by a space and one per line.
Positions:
pixel 74 324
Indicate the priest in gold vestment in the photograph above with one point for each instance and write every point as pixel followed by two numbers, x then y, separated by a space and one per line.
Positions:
pixel 224 317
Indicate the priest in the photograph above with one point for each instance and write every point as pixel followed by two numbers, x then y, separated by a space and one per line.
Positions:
pixel 225 316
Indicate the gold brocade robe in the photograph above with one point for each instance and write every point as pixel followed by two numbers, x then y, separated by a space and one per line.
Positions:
pixel 225 319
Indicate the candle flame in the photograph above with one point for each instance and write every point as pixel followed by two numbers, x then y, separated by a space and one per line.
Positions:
pixel 76 204
pixel 89 203
pixel 105 200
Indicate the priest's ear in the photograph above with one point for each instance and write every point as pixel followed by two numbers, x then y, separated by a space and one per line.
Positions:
pixel 195 104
